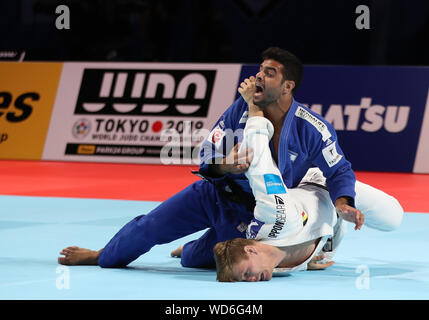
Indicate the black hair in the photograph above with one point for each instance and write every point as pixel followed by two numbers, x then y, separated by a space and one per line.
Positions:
pixel 292 66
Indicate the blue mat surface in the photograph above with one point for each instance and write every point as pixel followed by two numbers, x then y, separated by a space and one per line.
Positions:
pixel 369 264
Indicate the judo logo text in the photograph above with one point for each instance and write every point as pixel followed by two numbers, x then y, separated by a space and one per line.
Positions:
pixel 146 92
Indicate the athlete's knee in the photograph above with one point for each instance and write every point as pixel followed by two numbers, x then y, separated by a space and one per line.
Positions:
pixel 397 214
pixel 110 264
pixel 384 214
pixel 191 258
pixel 394 214
pixel 104 261
pixel 201 263
pixel 187 258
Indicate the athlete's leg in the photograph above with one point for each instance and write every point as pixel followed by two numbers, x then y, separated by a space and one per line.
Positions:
pixel 189 211
pixel 199 253
pixel 382 211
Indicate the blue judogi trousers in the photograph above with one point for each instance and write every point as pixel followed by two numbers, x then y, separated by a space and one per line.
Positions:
pixel 197 207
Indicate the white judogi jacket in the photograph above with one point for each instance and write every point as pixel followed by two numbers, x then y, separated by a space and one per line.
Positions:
pixel 284 217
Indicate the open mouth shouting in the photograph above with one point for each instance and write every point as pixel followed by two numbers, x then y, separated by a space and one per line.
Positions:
pixel 259 90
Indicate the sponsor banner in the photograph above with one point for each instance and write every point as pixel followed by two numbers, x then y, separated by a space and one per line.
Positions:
pixel 377 113
pixel 138 112
pixel 27 95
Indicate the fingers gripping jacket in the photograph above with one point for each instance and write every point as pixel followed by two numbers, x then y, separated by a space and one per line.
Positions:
pixel 276 216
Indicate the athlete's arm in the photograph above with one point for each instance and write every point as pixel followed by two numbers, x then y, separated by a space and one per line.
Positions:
pixel 236 162
pixel 265 179
pixel 219 152
pixel 340 178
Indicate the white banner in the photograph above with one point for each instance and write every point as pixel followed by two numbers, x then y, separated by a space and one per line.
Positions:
pixel 421 164
pixel 130 112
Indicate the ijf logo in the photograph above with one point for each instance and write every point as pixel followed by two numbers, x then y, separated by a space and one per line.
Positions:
pixel 81 128
pixel 146 92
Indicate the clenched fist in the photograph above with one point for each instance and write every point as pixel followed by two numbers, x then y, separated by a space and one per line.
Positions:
pixel 247 90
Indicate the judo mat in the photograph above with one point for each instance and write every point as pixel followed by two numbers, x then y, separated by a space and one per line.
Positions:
pixel 369 264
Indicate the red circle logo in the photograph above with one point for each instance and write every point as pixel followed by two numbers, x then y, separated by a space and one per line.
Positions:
pixel 157 126
pixel 217 135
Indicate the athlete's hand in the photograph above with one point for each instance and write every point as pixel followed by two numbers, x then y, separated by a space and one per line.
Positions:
pixel 236 162
pixel 247 90
pixel 317 264
pixel 350 214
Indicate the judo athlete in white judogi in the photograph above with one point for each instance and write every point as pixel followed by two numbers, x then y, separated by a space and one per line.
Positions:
pixel 293 229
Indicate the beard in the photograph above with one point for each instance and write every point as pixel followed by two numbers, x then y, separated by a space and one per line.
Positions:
pixel 261 104
pixel 267 100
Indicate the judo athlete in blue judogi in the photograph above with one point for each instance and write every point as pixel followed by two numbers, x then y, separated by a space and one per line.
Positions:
pixel 222 202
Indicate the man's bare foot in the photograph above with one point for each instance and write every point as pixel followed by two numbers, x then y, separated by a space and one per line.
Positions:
pixel 78 256
pixel 177 252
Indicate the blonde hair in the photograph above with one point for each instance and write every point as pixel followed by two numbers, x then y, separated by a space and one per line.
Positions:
pixel 227 254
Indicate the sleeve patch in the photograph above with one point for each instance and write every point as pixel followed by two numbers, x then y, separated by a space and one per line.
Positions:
pixel 274 184
pixel 244 117
pixel 216 135
pixel 332 157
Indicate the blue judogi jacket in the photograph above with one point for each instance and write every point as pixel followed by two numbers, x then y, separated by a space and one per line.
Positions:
pixel 307 140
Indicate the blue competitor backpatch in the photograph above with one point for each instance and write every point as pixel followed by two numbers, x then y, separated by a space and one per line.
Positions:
pixel 274 184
